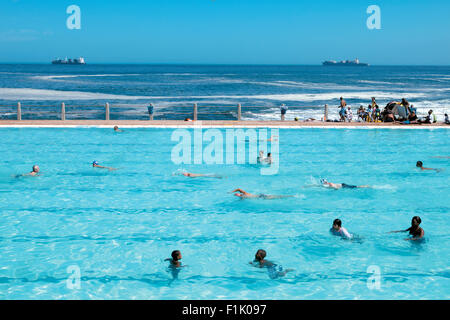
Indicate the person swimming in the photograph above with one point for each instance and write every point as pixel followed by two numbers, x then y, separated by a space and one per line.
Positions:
pixel 261 159
pixel 275 271
pixel 196 175
pixel 175 259
pixel 116 129
pixel 244 195
pixel 96 165
pixel 340 231
pixel 419 164
pixel 175 263
pixel 337 186
pixel 415 231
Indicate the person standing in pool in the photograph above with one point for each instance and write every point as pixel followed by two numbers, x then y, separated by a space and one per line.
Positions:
pixel 337 186
pixel 96 165
pixel 275 271
pixel 244 195
pixel 419 164
pixel 415 231
pixel 340 231
pixel 174 263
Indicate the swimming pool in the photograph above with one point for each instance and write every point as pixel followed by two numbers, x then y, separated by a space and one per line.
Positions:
pixel 115 228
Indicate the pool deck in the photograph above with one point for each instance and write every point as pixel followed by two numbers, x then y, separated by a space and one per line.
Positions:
pixel 210 123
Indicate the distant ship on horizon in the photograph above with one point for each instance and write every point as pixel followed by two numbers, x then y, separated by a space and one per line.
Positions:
pixel 355 62
pixel 69 61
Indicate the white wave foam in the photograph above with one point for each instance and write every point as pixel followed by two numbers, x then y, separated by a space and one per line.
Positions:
pixel 19 94
pixel 58 77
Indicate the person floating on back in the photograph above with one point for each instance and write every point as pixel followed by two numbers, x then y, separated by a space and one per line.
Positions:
pixel 337 186
pixel 96 165
pixel 340 231
pixel 275 271
pixel 419 164
pixel 415 231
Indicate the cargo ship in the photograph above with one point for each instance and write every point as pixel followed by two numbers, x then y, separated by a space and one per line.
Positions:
pixel 352 63
pixel 69 61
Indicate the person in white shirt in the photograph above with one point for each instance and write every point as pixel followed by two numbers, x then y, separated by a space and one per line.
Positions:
pixel 349 114
pixel 340 231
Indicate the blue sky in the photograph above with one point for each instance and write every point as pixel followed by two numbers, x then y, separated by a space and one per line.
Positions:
pixel 226 31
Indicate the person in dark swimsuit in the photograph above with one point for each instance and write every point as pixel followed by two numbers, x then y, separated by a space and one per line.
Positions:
pixel 415 231
pixel 337 186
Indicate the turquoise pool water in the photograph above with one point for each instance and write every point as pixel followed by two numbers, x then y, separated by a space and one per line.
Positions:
pixel 117 227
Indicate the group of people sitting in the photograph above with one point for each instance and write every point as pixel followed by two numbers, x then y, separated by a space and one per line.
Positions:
pixel 395 111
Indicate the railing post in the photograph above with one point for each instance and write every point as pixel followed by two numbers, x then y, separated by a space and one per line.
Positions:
pixel 107 111
pixel 325 116
pixel 63 111
pixel 239 112
pixel 19 111
pixel 195 112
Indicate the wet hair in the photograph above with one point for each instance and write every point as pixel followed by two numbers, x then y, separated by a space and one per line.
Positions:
pixel 417 218
pixel 116 127
pixel 419 164
pixel 337 222
pixel 260 254
pixel 269 154
pixel 34 167
pixel 175 255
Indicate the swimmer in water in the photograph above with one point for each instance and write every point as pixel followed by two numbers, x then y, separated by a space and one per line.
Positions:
pixel 340 231
pixel 196 175
pixel 269 158
pixel 419 164
pixel 175 263
pixel 260 158
pixel 175 260
pixel 96 165
pixel 415 231
pixel 337 186
pixel 275 271
pixel 245 195
pixel 116 129
pixel 34 172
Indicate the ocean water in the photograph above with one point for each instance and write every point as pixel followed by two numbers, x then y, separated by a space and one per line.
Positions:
pixel 116 227
pixel 173 89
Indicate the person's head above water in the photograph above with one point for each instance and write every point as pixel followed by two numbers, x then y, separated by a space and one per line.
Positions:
pixel 176 255
pixel 269 154
pixel 35 169
pixel 416 221
pixel 116 128
pixel 337 223
pixel 260 255
pixel 95 163
pixel 419 164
